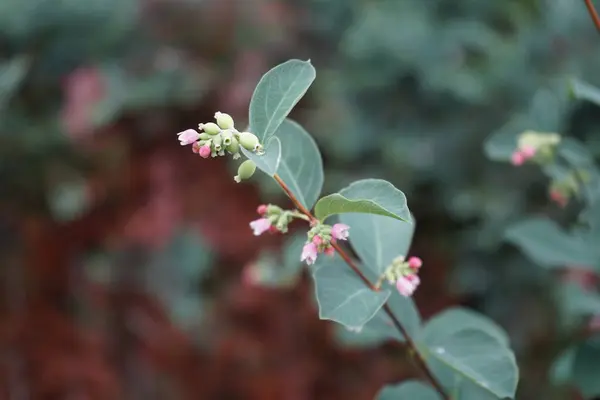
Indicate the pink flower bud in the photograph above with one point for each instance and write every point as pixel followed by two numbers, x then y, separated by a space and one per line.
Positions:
pixel 340 231
pixel 528 152
pixel 262 209
pixel 204 151
pixel 196 147
pixel 330 251
pixel 407 285
pixel 517 158
pixel 188 136
pixel 415 263
pixel 557 197
pixel 273 230
pixel 317 240
pixel 309 253
pixel 260 226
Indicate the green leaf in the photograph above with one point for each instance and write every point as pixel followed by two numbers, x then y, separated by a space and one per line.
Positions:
pixel 378 239
pixel 578 301
pixel 278 91
pixel 585 369
pixel 546 244
pixel 456 319
pixel 301 166
pixel 369 196
pixel 12 73
pixel 471 363
pixel 502 143
pixel 562 367
pixel 410 390
pixel 584 91
pixel 575 152
pixel 343 297
pixel 270 160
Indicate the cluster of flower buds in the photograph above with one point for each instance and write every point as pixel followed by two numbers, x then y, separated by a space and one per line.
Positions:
pixel 273 219
pixel 321 239
pixel 403 274
pixel 539 146
pixel 216 139
pixel 562 190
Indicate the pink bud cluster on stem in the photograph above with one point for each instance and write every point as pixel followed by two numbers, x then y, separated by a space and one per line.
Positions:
pixel 386 308
pixel 520 156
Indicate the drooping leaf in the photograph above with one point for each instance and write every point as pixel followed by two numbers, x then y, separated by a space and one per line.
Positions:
pixel 546 244
pixel 278 91
pixel 270 160
pixel 378 239
pixel 456 319
pixel 343 297
pixel 413 390
pixel 369 196
pixel 301 166
pixel 471 363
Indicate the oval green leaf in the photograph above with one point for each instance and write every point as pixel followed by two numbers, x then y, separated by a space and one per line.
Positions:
pixel 277 92
pixel 548 245
pixel 472 364
pixel 301 166
pixel 343 297
pixel 368 196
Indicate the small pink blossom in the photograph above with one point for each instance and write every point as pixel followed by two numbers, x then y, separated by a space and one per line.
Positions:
pixel 330 251
pixel 415 263
pixel 188 136
pixel 309 253
pixel 517 158
pixel 204 151
pixel 317 240
pixel 557 197
pixel 528 152
pixel 407 285
pixel 260 226
pixel 340 231
pixel 273 229
pixel 262 209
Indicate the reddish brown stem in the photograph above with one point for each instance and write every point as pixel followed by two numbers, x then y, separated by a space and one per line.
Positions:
pixel 593 13
pixel 421 364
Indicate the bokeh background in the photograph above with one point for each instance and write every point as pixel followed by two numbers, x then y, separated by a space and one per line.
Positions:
pixel 127 267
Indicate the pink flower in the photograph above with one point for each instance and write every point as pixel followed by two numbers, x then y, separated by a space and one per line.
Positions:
pixel 415 263
pixel 262 209
pixel 558 198
pixel 407 285
pixel 517 158
pixel 340 231
pixel 309 253
pixel 330 251
pixel 317 240
pixel 204 151
pixel 260 226
pixel 188 136
pixel 528 152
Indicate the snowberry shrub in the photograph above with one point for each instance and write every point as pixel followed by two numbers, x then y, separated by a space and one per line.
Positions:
pixel 459 354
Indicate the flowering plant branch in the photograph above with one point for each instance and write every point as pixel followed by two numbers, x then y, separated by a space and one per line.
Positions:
pixel 382 227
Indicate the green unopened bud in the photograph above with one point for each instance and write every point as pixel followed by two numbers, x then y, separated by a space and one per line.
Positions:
pixel 224 120
pixel 245 171
pixel 204 136
pixel 217 143
pixel 227 138
pixel 211 128
pixel 234 146
pixel 282 223
pixel 249 141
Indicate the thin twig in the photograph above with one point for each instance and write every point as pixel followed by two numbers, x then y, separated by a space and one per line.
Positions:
pixel 593 13
pixel 386 308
